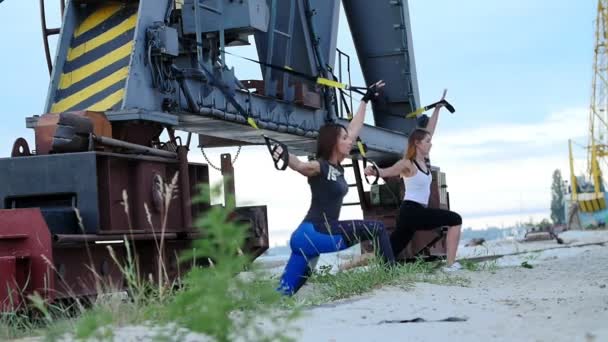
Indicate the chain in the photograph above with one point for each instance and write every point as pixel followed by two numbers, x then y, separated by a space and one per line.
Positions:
pixel 236 156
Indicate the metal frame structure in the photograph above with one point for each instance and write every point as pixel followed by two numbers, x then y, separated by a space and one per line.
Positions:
pixel 282 103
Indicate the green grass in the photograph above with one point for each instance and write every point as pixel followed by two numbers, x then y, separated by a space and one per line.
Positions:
pixel 209 300
pixel 18 324
pixel 213 301
pixel 330 287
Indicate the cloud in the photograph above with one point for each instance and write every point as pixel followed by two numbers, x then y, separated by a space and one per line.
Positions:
pixel 506 169
pixel 555 128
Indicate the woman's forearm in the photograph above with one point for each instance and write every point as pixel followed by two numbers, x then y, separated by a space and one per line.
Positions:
pixel 433 120
pixel 355 125
pixel 294 162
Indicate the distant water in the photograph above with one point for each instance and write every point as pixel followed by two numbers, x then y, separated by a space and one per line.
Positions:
pixel 490 234
pixel 280 252
pixel 504 221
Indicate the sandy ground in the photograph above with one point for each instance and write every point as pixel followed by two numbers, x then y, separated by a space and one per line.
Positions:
pixel 564 297
pixel 274 265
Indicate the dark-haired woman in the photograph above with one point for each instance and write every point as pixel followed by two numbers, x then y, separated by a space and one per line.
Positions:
pixel 321 231
pixel 414 213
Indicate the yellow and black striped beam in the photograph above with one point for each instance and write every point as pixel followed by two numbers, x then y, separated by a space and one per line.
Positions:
pixel 97 63
pixel 592 205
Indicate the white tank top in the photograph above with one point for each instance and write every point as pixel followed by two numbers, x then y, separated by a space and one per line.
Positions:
pixel 418 187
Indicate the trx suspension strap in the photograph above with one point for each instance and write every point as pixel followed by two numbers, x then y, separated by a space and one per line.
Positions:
pixel 318 80
pixel 315 79
pixel 230 97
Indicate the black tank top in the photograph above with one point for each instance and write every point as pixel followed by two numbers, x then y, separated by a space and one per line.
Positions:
pixel 328 189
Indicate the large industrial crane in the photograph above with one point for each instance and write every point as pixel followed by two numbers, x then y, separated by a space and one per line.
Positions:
pixel 592 200
pixel 126 70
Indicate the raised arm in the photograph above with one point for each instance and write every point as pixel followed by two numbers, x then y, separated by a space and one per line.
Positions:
pixel 355 125
pixel 433 120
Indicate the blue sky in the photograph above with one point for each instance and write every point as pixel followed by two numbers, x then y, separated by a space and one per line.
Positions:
pixel 504 61
pixel 519 73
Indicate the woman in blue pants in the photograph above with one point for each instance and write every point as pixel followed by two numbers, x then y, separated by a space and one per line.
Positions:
pixel 321 231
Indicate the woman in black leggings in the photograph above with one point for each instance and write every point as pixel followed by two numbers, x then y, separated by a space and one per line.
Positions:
pixel 414 213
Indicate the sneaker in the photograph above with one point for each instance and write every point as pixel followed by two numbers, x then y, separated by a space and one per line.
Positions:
pixel 454 267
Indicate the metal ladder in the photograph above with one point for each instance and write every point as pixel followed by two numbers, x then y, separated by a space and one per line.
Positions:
pixel 354 165
pixel 342 106
pixel 46 32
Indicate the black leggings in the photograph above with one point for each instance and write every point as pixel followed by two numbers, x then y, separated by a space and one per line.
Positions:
pixel 414 216
pixel 355 231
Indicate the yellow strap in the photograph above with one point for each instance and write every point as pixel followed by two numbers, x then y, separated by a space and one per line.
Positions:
pixel 252 123
pixel 330 83
pixel 415 113
pixel 361 148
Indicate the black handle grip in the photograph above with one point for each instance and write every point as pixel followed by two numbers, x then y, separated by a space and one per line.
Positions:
pixel 283 157
pixel 377 176
pixel 448 106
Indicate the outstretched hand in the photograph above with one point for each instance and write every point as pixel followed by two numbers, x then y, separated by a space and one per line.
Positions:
pixel 370 171
pixel 278 151
pixel 373 91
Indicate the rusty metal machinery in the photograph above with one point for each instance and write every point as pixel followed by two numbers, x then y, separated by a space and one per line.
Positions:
pixel 83 190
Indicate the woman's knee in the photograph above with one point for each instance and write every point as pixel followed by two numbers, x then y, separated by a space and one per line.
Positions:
pixel 379 225
pixel 456 219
